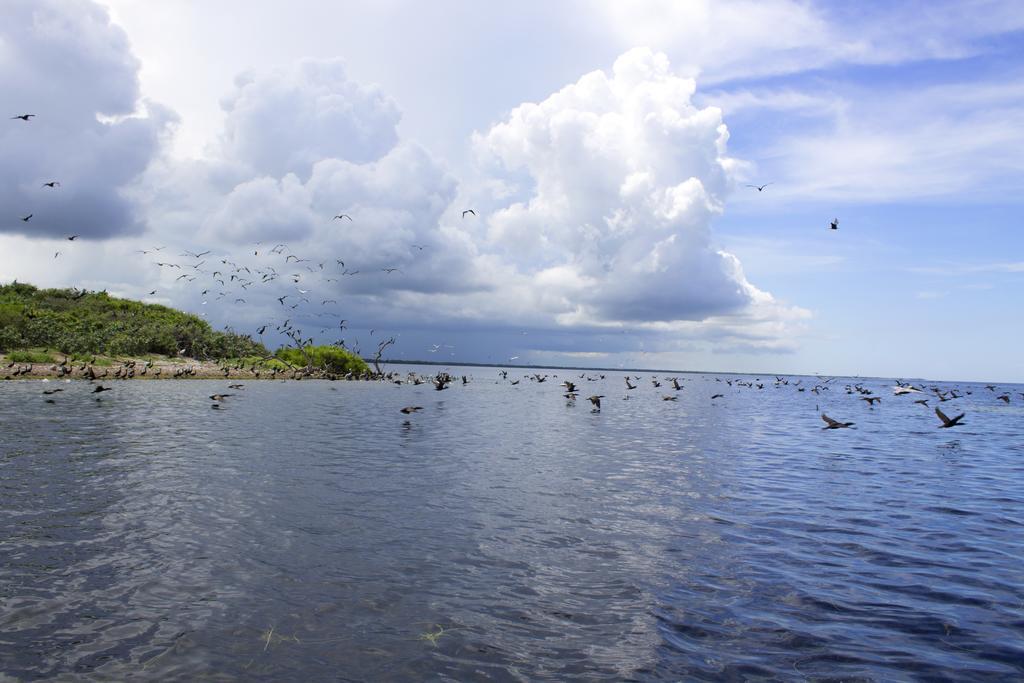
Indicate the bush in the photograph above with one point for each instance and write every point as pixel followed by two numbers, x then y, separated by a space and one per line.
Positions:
pixel 328 358
pixel 30 357
pixel 78 322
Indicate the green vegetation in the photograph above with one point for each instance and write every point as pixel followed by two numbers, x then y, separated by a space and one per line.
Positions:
pixel 84 323
pixel 30 357
pixel 328 358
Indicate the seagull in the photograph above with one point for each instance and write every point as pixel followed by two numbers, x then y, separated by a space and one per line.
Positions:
pixel 760 188
pixel 834 424
pixel 27 218
pixel 871 399
pixel 949 422
pixel 52 183
pixel 834 224
pixel 468 211
pixel 72 238
pixel 901 390
pixel 342 215
pixel 23 117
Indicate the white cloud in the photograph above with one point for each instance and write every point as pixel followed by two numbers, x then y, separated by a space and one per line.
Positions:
pixel 286 121
pixel 65 63
pixel 615 180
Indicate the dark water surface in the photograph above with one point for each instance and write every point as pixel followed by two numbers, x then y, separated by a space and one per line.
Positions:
pixel 305 533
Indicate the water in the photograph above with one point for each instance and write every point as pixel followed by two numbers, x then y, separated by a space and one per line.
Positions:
pixel 310 531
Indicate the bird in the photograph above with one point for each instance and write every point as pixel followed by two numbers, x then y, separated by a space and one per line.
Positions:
pixel 717 396
pixel 1005 398
pixel 390 270
pixel 596 400
pixel 669 398
pixel 101 388
pixel 949 422
pixel 56 254
pixel 922 401
pixel 871 399
pixel 468 211
pixel 72 238
pixel 411 409
pixel 23 117
pixel 834 424
pixel 52 183
pixel 760 188
pixel 629 386
pixel 27 218
pixel 342 215
pixel 834 224
pixel 152 293
pixel 219 397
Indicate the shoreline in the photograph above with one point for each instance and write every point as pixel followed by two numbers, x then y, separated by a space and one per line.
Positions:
pixel 104 368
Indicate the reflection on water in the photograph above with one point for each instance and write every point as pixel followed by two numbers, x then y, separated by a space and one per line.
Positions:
pixel 308 530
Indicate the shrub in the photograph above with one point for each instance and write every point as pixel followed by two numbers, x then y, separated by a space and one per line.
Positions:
pixel 328 358
pixel 78 322
pixel 30 357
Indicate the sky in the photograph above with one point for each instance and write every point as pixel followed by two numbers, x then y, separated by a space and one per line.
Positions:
pixel 606 150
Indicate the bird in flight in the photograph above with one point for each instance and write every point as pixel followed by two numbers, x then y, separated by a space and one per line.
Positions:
pixel 411 409
pixel 468 211
pixel 760 188
pixel 834 224
pixel 948 422
pixel 342 215
pixel 596 400
pixel 834 424
pixel 23 117
pixel 72 238
pixel 56 254
pixel 52 183
pixel 390 270
pixel 27 218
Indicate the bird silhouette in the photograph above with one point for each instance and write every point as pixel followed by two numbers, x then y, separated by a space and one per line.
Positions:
pixel 23 117
pixel 342 215
pixel 52 183
pixel 760 188
pixel 834 424
pixel 468 211
pixel 834 224
pixel 27 218
pixel 949 422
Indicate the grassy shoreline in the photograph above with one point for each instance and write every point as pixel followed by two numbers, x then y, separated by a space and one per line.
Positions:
pixel 48 365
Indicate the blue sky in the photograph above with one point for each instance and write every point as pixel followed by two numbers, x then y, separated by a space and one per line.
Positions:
pixel 614 223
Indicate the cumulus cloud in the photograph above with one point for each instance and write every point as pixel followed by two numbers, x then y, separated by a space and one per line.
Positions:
pixel 621 176
pixel 67 64
pixel 286 121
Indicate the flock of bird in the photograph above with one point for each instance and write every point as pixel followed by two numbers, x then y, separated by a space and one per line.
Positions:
pixel 220 278
pixel 666 389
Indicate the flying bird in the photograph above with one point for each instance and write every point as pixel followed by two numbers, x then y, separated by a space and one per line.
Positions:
pixel 23 117
pixel 834 224
pixel 72 238
pixel 834 424
pixel 468 211
pixel 411 409
pixel 596 400
pixel 27 218
pixel 948 422
pixel 342 215
pixel 760 188
pixel 52 183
